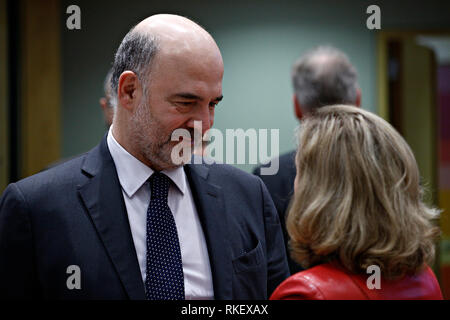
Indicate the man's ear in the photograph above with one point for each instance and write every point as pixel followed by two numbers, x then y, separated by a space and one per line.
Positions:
pixel 297 108
pixel 127 91
pixel 358 98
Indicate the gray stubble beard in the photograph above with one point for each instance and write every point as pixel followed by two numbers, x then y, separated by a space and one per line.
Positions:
pixel 156 152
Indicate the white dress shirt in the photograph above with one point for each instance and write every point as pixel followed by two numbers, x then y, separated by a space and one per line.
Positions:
pixel 133 176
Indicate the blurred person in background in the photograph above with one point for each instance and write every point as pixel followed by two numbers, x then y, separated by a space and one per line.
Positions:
pixel 358 203
pixel 323 76
pixel 108 101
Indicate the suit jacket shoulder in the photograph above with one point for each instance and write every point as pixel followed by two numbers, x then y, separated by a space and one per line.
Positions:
pixel 281 184
pixel 44 185
pixel 70 215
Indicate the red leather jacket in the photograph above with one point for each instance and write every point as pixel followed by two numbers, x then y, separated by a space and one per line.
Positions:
pixel 332 282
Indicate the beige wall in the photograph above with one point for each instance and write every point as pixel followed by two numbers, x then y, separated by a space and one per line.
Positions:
pixel 419 109
pixel 418 100
pixel 40 84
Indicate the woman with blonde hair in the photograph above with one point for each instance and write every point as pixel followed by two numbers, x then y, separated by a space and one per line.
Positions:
pixel 357 219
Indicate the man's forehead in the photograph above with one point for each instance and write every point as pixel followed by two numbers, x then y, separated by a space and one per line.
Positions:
pixel 186 87
pixel 188 66
pixel 189 48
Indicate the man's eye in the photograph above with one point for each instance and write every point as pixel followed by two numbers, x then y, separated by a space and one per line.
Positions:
pixel 213 104
pixel 186 103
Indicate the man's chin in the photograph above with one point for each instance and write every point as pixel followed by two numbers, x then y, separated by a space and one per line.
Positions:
pixel 180 153
pixel 167 163
pixel 161 166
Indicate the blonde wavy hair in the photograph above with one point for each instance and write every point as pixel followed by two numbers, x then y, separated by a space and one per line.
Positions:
pixel 357 196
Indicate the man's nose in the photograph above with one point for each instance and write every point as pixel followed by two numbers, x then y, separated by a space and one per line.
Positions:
pixel 203 115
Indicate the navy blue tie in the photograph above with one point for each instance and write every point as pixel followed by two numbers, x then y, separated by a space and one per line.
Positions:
pixel 164 276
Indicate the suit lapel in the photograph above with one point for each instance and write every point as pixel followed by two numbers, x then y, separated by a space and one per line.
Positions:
pixel 102 196
pixel 210 207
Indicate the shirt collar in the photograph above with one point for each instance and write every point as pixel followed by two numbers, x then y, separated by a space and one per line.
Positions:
pixel 133 173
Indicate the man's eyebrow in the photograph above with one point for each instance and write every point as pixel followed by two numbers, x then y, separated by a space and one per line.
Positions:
pixel 191 96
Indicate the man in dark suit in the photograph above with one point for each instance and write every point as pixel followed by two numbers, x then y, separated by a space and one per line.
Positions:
pixel 323 76
pixel 123 221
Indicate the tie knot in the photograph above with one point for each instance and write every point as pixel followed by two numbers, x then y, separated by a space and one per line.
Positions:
pixel 159 185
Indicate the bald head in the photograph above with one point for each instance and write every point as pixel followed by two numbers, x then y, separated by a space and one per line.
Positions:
pixel 175 31
pixel 163 36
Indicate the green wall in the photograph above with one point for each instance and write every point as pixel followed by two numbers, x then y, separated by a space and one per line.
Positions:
pixel 259 40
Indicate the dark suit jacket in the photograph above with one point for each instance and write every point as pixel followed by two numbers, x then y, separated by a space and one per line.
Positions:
pixel 281 189
pixel 74 214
